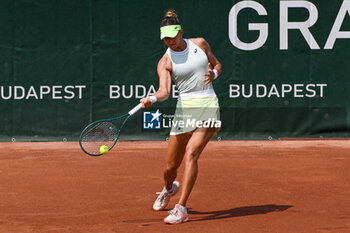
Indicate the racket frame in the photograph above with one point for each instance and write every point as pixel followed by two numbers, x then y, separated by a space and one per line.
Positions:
pixel 127 116
pixel 109 120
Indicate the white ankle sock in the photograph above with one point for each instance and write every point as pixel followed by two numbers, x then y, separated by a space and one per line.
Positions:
pixel 171 190
pixel 182 208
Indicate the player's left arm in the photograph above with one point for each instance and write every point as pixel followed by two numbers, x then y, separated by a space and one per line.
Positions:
pixel 213 61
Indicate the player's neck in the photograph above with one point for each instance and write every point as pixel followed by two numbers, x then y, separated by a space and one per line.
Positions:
pixel 181 47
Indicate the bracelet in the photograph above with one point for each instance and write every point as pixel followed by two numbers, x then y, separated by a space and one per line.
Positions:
pixel 153 99
pixel 216 74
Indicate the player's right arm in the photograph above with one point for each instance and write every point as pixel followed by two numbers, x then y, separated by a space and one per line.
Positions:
pixel 164 73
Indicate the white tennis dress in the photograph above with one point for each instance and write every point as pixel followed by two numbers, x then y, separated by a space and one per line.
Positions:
pixel 197 105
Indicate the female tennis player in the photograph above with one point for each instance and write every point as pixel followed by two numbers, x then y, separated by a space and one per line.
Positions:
pixel 192 66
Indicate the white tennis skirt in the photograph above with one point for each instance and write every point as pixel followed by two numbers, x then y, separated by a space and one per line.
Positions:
pixel 196 112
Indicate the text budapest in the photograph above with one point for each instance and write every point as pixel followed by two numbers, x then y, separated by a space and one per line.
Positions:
pixel 277 91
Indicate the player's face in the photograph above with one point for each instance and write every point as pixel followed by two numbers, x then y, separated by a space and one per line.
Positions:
pixel 174 43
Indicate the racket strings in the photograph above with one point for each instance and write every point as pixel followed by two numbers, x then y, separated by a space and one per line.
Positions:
pixel 98 134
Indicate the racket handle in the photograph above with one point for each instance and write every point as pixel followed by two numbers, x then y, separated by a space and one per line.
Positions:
pixel 135 109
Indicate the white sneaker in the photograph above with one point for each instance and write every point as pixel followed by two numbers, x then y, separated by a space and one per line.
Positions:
pixel 177 215
pixel 164 197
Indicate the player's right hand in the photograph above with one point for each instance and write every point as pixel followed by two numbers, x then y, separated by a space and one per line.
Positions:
pixel 146 102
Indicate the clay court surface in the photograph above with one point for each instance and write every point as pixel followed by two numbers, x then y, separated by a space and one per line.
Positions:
pixel 243 186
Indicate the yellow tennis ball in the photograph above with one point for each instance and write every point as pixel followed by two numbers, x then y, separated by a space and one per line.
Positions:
pixel 104 149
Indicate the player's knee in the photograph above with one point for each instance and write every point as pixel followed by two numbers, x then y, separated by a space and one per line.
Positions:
pixel 192 155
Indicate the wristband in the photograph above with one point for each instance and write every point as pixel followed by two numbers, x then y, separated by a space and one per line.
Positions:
pixel 216 74
pixel 153 99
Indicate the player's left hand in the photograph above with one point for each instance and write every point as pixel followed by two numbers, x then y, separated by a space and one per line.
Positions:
pixel 210 75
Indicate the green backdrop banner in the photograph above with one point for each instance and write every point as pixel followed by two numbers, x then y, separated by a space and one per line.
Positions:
pixel 64 64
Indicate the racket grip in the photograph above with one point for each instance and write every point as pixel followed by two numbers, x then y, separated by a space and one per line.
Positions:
pixel 135 109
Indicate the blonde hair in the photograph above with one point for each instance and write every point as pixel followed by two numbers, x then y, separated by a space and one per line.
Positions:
pixel 170 13
pixel 170 18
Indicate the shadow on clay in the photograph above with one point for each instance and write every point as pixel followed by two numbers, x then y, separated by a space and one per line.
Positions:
pixel 236 212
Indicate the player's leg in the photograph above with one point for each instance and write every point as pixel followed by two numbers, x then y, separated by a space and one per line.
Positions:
pixel 176 150
pixel 175 154
pixel 195 146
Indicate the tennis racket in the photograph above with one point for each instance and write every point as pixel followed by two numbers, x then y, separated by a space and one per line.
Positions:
pixel 103 132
